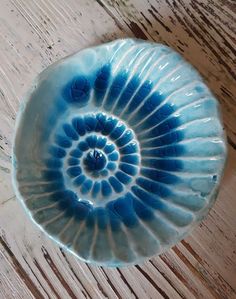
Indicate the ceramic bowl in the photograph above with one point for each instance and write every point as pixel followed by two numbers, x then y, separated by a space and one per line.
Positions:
pixel 119 150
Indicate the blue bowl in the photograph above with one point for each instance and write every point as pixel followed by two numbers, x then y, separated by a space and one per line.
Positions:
pixel 119 150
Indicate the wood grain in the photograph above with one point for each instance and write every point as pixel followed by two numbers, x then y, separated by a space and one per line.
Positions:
pixel 35 33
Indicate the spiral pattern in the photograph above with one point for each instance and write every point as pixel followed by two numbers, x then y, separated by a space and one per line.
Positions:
pixel 126 152
pixel 100 156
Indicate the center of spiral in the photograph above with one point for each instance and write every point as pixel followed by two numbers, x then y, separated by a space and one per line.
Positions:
pixel 95 160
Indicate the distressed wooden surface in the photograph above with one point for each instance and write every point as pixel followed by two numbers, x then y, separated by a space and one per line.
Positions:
pixel 35 33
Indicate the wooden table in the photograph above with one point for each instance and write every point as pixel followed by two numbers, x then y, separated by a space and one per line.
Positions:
pixel 35 33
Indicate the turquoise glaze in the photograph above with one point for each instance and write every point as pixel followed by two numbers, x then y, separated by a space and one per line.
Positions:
pixel 119 151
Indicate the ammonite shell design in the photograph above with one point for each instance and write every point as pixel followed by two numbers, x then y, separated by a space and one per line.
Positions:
pixel 119 151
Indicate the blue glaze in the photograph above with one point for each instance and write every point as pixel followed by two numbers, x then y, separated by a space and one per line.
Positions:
pixel 101 83
pixel 126 95
pixel 116 185
pixel 142 211
pixel 167 151
pixel 90 220
pixel 76 153
pixel 129 169
pixel 125 138
pixel 123 178
pixel 123 207
pixel 164 164
pixel 96 189
pixel 67 200
pixel 101 142
pixel 54 186
pixel 74 171
pixel 174 214
pixel 92 141
pixel 70 132
pixel 86 187
pixel 79 180
pixel 140 95
pixel 111 166
pixel 59 194
pixel 52 175
pixel 153 187
pixel 102 218
pixel 77 91
pixel 79 126
pixel 148 198
pixel 101 121
pixel 105 188
pixel 95 160
pixel 114 156
pixel 90 123
pixel 160 176
pixel 164 128
pixel 57 152
pixel 109 125
pixel 63 141
pixel 83 146
pixel 169 138
pixel 115 90
pixel 53 163
pixel 73 161
pixel 158 116
pixel 109 148
pixel 130 159
pixel 114 219
pixel 126 154
pixel 117 132
pixel 82 209
pixel 104 172
pixel 131 148
pixel 149 105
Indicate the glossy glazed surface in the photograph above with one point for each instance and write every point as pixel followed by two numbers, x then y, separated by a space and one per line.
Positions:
pixel 119 151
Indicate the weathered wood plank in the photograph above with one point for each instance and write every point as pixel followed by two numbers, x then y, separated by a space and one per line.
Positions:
pixel 202 31
pixel 33 34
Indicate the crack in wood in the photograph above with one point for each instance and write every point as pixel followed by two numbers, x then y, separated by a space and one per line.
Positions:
pixel 211 289
pixel 153 283
pixel 47 280
pixel 57 273
pixel 75 275
pixel 167 279
pixel 21 271
pixel 127 283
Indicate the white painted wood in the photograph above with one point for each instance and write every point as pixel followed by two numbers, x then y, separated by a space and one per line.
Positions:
pixel 33 34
